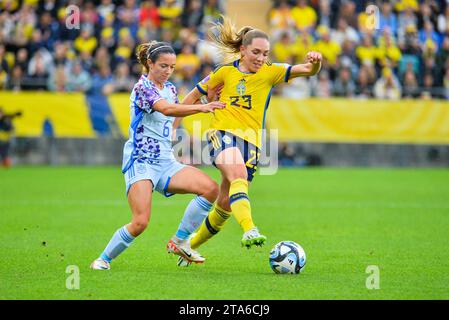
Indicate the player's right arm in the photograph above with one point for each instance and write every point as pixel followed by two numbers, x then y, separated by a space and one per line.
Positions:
pixel 148 100
pixel 183 110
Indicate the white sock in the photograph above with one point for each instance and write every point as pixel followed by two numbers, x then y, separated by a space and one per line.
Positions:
pixel 195 213
pixel 118 243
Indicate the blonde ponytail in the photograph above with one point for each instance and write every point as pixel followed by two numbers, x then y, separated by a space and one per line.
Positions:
pixel 228 40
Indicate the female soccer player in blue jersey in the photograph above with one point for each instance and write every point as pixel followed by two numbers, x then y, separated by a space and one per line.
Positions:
pixel 148 160
pixel 235 134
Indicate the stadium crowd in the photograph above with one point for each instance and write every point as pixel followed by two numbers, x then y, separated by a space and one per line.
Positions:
pixel 382 49
pixel 403 53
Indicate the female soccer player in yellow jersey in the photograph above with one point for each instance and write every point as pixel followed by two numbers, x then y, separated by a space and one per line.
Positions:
pixel 235 134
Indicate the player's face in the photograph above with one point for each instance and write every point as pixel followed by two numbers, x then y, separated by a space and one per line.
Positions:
pixel 163 68
pixel 255 54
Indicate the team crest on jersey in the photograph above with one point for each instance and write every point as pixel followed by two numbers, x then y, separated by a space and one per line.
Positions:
pixel 241 87
pixel 227 140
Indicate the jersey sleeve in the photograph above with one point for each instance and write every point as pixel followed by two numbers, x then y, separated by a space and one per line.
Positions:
pixel 280 72
pixel 212 80
pixel 146 97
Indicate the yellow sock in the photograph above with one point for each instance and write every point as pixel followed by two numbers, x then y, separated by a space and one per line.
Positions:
pixel 210 226
pixel 240 205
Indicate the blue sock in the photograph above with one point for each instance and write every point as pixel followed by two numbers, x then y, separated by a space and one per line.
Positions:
pixel 119 242
pixel 195 213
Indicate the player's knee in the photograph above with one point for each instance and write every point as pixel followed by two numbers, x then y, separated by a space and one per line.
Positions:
pixel 211 191
pixel 139 225
pixel 238 173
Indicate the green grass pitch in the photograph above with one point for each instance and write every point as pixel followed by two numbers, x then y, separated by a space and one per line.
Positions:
pixel 345 219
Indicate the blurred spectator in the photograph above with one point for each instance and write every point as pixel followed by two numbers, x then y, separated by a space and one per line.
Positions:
pixel 344 86
pixel 364 83
pixel 303 44
pixel 348 13
pixel 389 53
pixel 446 84
pixel 39 69
pixel 193 16
pixel 3 63
pixel 407 21
pixel 149 12
pixel 387 18
pixel 6 133
pixel 124 48
pixel 128 16
pixel 86 42
pixel 78 80
pixel 387 87
pixel 16 79
pixel 367 53
pixel 304 16
pixel 443 21
pixel 324 13
pixel 286 155
pixel 442 57
pixel 187 67
pixel 170 12
pixel 60 54
pixel 211 11
pixel 344 32
pixel 402 5
pixel 323 87
pixel 410 89
pixel 280 19
pixel 284 49
pixel 428 38
pixel 122 80
pixel 329 48
pixel 102 82
pixel 298 88
pixel 58 80
pixel 106 9
pixel 89 16
pixel 427 90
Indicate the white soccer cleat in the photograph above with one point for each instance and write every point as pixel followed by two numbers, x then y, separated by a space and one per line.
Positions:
pixel 182 249
pixel 253 237
pixel 183 262
pixel 100 264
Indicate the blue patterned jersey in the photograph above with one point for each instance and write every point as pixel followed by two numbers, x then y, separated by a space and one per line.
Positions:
pixel 150 131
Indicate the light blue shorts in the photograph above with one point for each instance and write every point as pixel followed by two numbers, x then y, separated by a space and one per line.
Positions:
pixel 159 174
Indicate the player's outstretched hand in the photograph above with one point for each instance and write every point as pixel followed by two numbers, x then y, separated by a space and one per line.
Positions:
pixel 213 94
pixel 211 106
pixel 314 57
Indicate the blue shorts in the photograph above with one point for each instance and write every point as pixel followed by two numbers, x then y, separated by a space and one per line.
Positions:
pixel 159 173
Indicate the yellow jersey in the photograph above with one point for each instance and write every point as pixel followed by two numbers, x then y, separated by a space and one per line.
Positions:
pixel 246 95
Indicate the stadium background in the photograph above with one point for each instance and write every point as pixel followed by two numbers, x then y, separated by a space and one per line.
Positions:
pixel 381 100
pixel 381 95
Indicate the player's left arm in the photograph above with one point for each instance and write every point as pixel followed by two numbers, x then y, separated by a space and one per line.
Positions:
pixel 310 68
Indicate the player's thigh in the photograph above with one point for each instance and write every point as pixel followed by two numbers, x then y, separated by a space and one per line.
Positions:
pixel 139 199
pixel 231 164
pixel 192 180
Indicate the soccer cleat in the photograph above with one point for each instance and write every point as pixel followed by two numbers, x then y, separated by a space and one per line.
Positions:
pixel 183 262
pixel 253 237
pixel 182 249
pixel 100 264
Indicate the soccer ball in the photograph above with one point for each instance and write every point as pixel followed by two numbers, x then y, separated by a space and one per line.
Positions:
pixel 287 257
